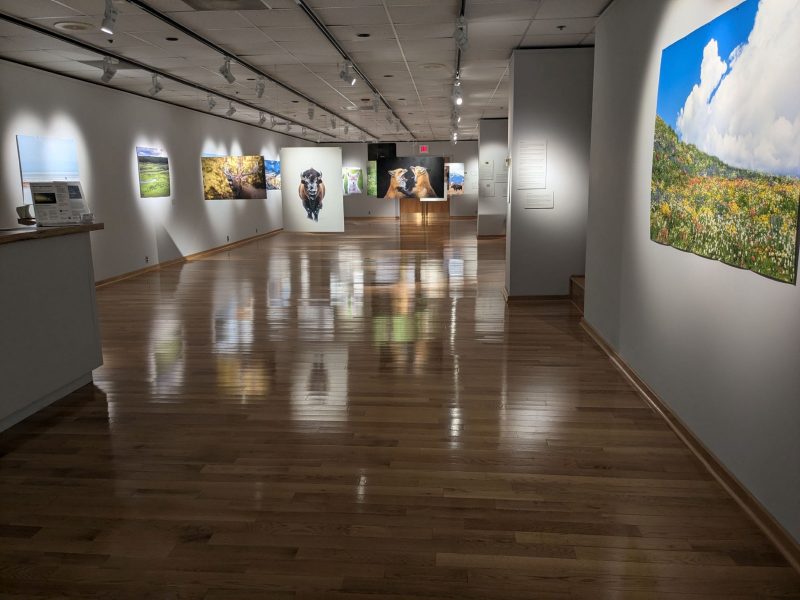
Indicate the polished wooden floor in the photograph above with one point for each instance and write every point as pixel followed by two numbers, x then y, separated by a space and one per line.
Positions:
pixel 360 416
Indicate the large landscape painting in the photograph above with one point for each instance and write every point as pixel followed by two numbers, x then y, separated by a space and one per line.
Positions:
pixel 726 157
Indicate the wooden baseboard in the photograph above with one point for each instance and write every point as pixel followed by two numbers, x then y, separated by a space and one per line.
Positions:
pixel 467 218
pixel 783 541
pixel 182 259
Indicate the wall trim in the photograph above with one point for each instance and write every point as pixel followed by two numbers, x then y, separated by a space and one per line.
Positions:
pixel 783 541
pixel 492 237
pixel 183 259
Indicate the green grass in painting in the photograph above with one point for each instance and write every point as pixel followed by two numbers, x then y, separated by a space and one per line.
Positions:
pixel 153 177
pixel 702 205
pixel 372 178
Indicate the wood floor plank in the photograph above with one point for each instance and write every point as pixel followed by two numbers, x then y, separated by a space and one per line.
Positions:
pixel 359 416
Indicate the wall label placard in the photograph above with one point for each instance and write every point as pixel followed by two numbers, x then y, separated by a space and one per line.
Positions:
pixel 539 200
pixel 486 170
pixel 532 172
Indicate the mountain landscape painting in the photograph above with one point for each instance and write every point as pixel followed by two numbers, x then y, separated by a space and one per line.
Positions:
pixel 726 155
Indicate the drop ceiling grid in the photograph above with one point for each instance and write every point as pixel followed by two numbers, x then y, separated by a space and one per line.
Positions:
pixel 283 42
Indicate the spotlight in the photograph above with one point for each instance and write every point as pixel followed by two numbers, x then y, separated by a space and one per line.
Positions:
pixel 109 18
pixel 397 126
pixel 225 70
pixel 288 127
pixel 231 110
pixel 305 131
pixel 261 86
pixel 346 128
pixel 460 34
pixel 455 137
pixel 262 118
pixel 273 121
pixel 109 69
pixel 211 102
pixel 311 112
pixel 458 98
pixel 156 87
pixel 347 73
pixel 333 122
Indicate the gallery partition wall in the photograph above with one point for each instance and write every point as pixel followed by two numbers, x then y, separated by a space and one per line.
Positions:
pixel 718 345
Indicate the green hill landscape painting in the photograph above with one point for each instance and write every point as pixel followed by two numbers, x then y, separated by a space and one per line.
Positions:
pixel 153 166
pixel 726 167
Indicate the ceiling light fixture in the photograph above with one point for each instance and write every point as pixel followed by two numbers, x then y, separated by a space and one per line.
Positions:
pixel 261 87
pixel 376 102
pixel 346 128
pixel 304 131
pixel 109 69
pixel 156 87
pixel 311 112
pixel 109 18
pixel 333 122
pixel 288 127
pixel 455 137
pixel 458 98
pixel 211 102
pixel 262 118
pixel 225 70
pixel 460 34
pixel 273 121
pixel 231 109
pixel 347 73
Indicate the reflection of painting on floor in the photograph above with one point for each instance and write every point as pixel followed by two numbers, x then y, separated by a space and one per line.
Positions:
pixel 726 160
pixel 233 177
pixel 352 181
pixel 153 166
pixel 455 178
pixel 273 168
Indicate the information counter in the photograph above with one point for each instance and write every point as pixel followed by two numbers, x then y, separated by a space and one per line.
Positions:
pixel 49 333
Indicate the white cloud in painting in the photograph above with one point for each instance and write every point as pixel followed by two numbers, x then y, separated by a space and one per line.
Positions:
pixel 746 109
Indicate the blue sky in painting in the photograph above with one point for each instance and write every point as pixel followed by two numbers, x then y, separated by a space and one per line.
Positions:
pixel 680 63
pixel 273 166
pixel 47 158
pixel 144 151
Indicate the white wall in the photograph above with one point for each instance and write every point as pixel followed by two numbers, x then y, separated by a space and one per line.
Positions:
pixel 492 146
pixel 466 205
pixel 719 345
pixel 551 100
pixel 107 125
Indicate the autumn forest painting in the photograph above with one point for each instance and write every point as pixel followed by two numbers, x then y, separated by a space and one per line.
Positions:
pixel 726 155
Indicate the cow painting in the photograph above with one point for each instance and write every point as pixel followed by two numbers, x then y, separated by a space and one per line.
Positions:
pixel 312 192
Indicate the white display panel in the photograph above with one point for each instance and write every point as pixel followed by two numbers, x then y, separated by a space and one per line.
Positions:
pixel 323 169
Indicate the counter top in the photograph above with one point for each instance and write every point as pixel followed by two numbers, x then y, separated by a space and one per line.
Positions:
pixel 19 234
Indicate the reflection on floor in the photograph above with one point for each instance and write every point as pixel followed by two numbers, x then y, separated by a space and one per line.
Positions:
pixel 360 416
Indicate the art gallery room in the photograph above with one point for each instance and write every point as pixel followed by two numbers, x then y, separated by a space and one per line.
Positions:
pixel 394 299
